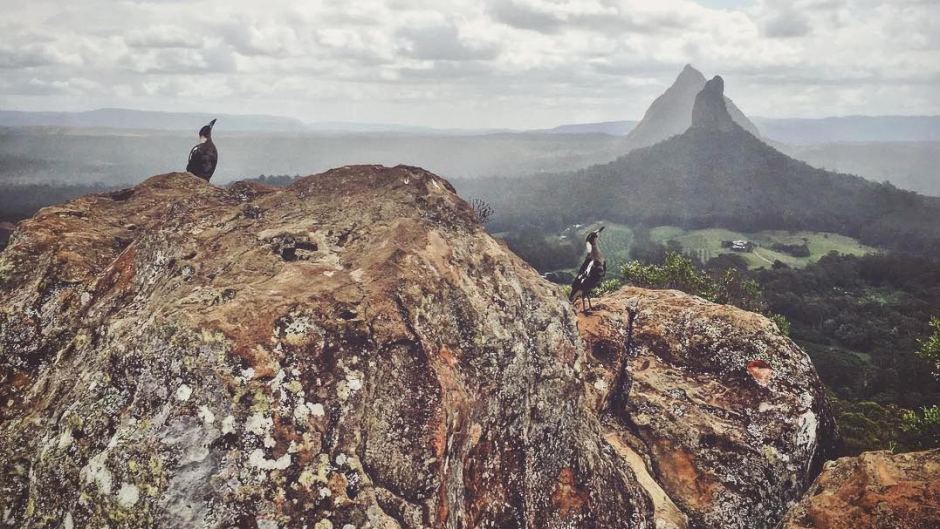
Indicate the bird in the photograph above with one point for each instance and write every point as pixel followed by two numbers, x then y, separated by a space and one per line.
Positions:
pixel 591 273
pixel 204 156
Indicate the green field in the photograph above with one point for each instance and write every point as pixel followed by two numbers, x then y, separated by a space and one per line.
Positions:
pixel 617 240
pixel 707 244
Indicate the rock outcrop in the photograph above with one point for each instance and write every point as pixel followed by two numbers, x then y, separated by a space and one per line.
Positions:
pixel 877 490
pixel 710 111
pixel 726 416
pixel 670 113
pixel 354 351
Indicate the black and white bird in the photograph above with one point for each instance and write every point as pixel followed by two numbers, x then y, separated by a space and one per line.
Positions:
pixel 203 157
pixel 591 273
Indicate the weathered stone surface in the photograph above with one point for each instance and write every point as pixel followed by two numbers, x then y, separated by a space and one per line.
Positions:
pixel 351 351
pixel 723 412
pixel 354 351
pixel 876 490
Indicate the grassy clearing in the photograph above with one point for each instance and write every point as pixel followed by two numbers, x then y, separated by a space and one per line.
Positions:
pixel 617 240
pixel 707 244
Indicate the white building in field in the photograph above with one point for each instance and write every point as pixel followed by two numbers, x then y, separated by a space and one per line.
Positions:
pixel 741 245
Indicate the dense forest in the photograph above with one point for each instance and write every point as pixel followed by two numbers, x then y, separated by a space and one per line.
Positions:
pixel 862 319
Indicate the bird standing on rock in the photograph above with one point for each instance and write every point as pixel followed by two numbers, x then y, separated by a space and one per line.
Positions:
pixel 203 157
pixel 591 273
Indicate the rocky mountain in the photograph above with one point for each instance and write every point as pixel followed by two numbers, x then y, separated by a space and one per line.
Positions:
pixel 671 113
pixel 354 351
pixel 876 489
pixel 716 174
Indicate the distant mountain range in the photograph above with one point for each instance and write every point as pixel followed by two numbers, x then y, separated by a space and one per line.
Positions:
pixel 613 128
pixel 716 173
pixel 119 118
pixel 795 131
pixel 669 114
pixel 127 119
pixel 913 165
pixel 851 129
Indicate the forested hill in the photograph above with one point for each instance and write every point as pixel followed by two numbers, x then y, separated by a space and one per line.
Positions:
pixel 717 174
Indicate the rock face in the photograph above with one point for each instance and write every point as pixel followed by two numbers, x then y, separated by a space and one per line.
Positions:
pixel 710 111
pixel 671 112
pixel 727 416
pixel 876 490
pixel 354 351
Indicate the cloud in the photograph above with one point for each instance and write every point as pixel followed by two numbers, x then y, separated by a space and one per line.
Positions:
pixel 35 55
pixel 179 61
pixel 787 24
pixel 260 37
pixel 524 16
pixel 442 43
pixel 163 36
pixel 76 86
pixel 515 63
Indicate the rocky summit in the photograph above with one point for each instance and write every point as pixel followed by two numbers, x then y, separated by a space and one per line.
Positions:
pixel 710 111
pixel 354 351
pixel 670 113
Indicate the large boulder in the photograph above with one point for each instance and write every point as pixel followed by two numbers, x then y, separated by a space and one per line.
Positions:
pixel 351 351
pixel 725 415
pixel 876 490
pixel 354 351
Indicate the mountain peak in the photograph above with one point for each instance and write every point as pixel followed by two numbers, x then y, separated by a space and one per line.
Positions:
pixel 689 73
pixel 671 112
pixel 710 110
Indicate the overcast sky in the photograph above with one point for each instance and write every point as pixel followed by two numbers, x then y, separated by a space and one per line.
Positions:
pixel 467 63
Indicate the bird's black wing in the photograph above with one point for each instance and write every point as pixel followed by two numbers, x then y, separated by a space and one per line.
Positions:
pixel 202 160
pixel 189 162
pixel 210 160
pixel 586 270
pixel 584 265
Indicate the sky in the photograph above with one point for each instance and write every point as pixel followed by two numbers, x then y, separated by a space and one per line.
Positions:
pixel 467 63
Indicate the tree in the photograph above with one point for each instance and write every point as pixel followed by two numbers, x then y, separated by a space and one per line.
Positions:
pixel 922 429
pixel 930 348
pixel 483 210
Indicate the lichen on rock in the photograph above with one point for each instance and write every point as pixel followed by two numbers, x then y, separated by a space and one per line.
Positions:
pixel 727 414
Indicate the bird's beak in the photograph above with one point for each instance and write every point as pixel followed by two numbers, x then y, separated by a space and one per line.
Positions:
pixel 600 229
